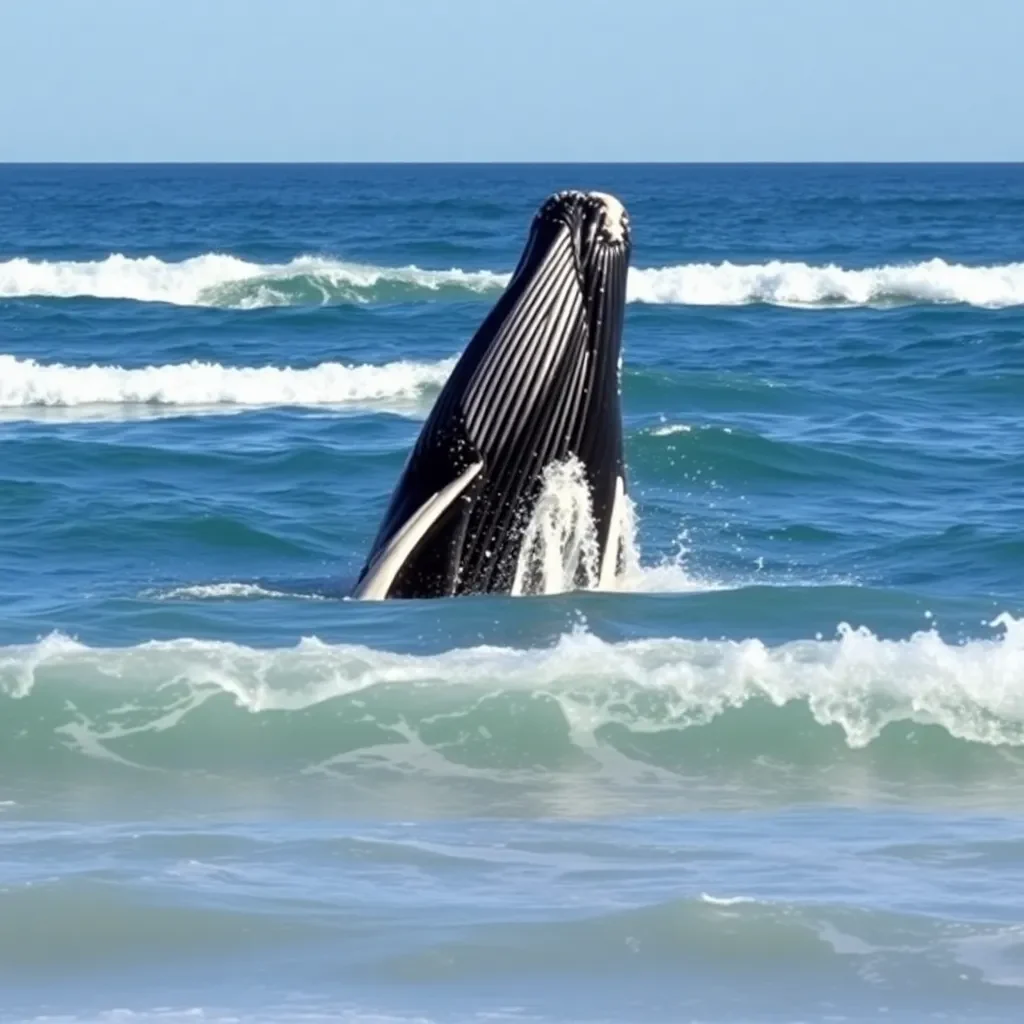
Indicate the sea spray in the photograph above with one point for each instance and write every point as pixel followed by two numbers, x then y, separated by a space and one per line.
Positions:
pixel 560 545
pixel 560 549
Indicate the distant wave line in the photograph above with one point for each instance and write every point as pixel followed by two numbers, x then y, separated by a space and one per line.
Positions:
pixel 27 384
pixel 222 280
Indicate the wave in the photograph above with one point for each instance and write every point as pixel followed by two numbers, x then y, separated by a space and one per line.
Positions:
pixel 28 384
pixel 217 279
pixel 848 945
pixel 669 704
pixel 265 890
pixel 801 285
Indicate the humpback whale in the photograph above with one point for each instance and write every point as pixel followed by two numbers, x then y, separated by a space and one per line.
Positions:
pixel 538 384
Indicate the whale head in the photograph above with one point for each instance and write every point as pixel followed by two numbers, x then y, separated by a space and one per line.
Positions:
pixel 537 384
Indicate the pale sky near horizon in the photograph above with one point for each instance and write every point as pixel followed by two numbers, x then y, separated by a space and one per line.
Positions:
pixel 520 80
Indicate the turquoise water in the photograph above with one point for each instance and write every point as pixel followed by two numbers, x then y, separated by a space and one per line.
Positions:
pixel 777 776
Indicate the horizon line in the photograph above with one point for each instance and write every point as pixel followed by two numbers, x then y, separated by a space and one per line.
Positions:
pixel 511 163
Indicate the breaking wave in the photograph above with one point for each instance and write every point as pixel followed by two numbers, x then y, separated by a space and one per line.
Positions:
pixel 191 704
pixel 217 279
pixel 26 384
pixel 802 285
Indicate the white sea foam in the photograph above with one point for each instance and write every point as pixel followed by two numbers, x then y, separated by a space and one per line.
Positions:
pixel 26 384
pixel 801 284
pixel 560 543
pixel 226 591
pixel 857 681
pixel 669 429
pixel 217 279
pixel 725 901
pixel 560 550
pixel 996 953
pixel 213 279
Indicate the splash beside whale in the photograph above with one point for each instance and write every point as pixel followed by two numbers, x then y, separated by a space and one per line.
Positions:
pixel 538 384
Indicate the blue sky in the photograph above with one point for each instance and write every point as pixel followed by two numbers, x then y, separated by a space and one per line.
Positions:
pixel 518 80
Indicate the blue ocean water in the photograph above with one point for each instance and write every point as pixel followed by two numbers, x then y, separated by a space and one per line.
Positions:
pixel 777 776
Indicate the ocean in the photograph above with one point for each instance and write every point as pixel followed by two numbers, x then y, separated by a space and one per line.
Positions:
pixel 776 776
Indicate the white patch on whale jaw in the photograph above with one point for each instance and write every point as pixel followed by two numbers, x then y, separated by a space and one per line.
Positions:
pixel 616 220
pixel 614 217
pixel 381 574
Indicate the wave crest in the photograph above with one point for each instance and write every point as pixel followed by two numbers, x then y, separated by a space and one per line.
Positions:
pixel 28 384
pixel 218 279
pixel 177 703
pixel 803 285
